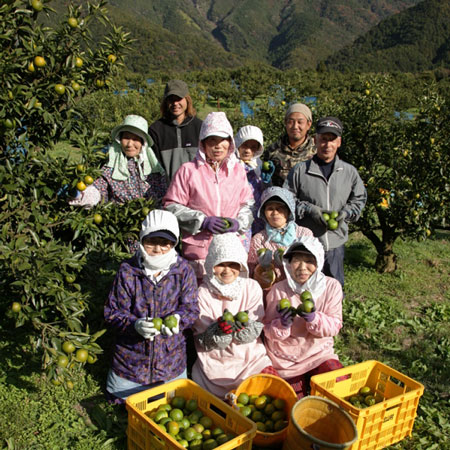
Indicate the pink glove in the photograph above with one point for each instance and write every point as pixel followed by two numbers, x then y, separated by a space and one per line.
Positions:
pixel 214 225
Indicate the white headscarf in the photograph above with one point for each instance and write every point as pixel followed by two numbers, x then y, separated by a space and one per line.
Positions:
pixel 158 220
pixel 316 284
pixel 226 247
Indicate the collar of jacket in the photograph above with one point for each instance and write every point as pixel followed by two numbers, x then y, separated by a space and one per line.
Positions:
pixel 313 167
pixel 174 123
pixel 287 147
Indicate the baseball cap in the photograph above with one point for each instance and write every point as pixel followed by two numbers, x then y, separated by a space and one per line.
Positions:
pixel 176 87
pixel 299 108
pixel 329 125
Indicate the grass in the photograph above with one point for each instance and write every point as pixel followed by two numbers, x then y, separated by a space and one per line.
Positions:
pixel 400 319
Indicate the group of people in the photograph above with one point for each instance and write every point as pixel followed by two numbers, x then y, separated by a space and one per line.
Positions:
pixel 229 235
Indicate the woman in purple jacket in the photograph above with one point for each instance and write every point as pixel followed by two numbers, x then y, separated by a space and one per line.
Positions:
pixel 154 284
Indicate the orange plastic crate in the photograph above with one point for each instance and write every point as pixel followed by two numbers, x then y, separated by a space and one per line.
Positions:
pixel 384 423
pixel 144 434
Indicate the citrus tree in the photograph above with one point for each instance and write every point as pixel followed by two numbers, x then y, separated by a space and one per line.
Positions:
pixel 45 71
pixel 402 158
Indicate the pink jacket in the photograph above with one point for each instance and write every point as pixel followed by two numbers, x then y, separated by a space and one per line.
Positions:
pixel 304 346
pixel 259 240
pixel 223 193
pixel 220 371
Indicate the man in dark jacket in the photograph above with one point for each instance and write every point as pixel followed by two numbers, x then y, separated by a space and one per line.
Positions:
pixel 175 134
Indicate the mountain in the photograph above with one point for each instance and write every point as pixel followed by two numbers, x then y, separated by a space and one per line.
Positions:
pixel 414 40
pixel 284 33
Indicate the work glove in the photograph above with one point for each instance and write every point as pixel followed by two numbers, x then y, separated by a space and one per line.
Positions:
pixel 88 198
pixel 286 317
pixel 225 326
pixel 166 331
pixel 146 328
pixel 308 316
pixel 264 257
pixel 341 217
pixel 239 326
pixel 278 256
pixel 266 175
pixel 315 213
pixel 251 331
pixel 233 225
pixel 214 225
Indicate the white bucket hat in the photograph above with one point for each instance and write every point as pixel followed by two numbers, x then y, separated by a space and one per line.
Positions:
pixel 159 220
pixel 247 133
pixel 134 124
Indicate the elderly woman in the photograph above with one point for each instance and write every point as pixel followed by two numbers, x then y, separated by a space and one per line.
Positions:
pixel 301 344
pixel 210 195
pixel 132 170
pixel 175 134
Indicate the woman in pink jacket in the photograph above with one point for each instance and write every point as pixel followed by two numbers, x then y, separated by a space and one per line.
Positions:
pixel 209 189
pixel 301 346
pixel 228 351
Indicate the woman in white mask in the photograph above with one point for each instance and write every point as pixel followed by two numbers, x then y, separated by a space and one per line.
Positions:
pixel 229 350
pixel 300 344
pixel 152 301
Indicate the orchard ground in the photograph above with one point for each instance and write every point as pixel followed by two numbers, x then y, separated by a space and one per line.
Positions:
pixel 400 319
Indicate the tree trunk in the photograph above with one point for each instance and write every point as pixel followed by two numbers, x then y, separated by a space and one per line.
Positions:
pixel 386 261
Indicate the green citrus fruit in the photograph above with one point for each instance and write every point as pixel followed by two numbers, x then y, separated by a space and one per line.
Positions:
pixel 88 179
pixel 60 89
pixel 145 211
pixel 306 295
pixel 279 425
pixel 370 400
pixel 243 398
pixel 170 322
pixel 73 23
pixel 62 361
pixel 157 322
pixel 206 422
pixel 279 403
pixel 222 438
pixel 178 401
pixel 260 426
pixel 332 224
pixel 242 317
pixel 68 347
pixel 112 58
pixel 70 278
pixel 365 390
pixel 284 303
pixel 228 316
pixel 257 416
pixel 39 61
pixel 326 217
pixel 260 402
pixel 160 415
pixel 78 62
pixel 81 355
pixel 173 427
pixel 69 385
pixel 266 166
pixel 189 434
pixel 245 411
pixel 16 307
pixel 37 5
pixel 98 219
pixel 334 214
pixel 307 306
pixel 81 186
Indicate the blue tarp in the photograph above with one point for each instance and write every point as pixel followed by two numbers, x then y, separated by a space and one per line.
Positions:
pixel 247 108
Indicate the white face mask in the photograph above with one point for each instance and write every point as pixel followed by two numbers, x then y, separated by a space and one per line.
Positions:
pixel 157 263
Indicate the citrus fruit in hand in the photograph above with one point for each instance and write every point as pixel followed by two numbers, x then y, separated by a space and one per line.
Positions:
pixel 307 306
pixel 305 295
pixel 334 214
pixel 242 317
pixel 157 322
pixel 266 166
pixel 227 316
pixel 332 224
pixel 170 322
pixel 284 303
pixel 326 217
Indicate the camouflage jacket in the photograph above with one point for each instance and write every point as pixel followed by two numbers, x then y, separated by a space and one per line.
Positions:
pixel 285 157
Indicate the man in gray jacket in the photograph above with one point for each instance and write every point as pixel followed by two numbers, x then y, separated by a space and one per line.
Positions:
pixel 326 184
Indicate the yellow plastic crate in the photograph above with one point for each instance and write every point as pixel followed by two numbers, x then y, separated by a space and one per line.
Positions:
pixel 384 423
pixel 144 434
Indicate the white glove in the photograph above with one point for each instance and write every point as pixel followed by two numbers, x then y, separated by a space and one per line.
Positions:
pixel 171 331
pixel 146 328
pixel 88 198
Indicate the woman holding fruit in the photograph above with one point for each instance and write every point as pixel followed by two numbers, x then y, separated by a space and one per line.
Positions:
pixel 280 230
pixel 210 195
pixel 303 314
pixel 152 301
pixel 132 170
pixel 227 331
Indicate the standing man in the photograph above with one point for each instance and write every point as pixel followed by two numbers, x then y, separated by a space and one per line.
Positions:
pixel 294 146
pixel 175 134
pixel 326 184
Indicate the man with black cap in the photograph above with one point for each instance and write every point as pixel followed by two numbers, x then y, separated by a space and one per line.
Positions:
pixel 175 134
pixel 293 147
pixel 326 184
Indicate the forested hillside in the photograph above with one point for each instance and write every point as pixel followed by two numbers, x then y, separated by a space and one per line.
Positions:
pixel 415 40
pixel 192 34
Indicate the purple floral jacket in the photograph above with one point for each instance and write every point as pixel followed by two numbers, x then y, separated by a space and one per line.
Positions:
pixel 155 185
pixel 133 296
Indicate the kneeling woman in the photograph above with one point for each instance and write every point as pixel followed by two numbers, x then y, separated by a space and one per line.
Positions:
pixel 228 352
pixel 301 346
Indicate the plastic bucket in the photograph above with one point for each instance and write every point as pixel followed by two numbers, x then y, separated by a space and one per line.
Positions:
pixel 275 387
pixel 319 424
